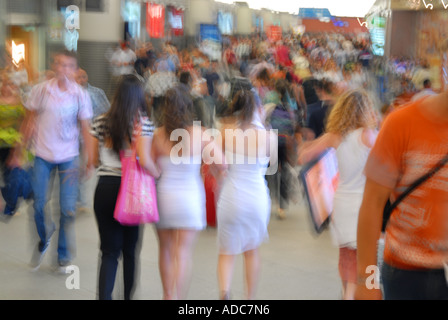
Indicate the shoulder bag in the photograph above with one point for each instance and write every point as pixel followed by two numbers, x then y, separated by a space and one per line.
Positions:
pixel 391 206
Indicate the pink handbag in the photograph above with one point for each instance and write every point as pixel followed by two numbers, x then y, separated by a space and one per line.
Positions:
pixel 137 199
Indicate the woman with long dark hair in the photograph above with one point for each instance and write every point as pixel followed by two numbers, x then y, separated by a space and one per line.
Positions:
pixel 113 132
pixel 177 148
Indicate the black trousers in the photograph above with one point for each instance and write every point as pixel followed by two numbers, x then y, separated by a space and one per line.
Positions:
pixel 116 240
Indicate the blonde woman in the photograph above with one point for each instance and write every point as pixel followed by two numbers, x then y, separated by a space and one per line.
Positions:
pixel 351 130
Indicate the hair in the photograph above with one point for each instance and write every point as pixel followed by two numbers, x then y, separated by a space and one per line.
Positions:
pixel 185 78
pixel 283 89
pixel 325 85
pixel 128 104
pixel 353 110
pixel 70 54
pixel 243 106
pixel 177 109
pixel 263 75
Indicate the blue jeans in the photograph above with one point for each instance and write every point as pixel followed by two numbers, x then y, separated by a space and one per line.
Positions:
pixel 68 192
pixel 399 284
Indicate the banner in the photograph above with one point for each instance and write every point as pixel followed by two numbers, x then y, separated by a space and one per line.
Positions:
pixel 275 33
pixel 155 20
pixel 176 21
pixel 210 40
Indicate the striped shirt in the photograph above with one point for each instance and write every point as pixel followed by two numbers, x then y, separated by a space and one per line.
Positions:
pixel 110 164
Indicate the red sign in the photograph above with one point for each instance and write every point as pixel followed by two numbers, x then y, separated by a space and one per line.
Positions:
pixel 155 20
pixel 176 21
pixel 275 33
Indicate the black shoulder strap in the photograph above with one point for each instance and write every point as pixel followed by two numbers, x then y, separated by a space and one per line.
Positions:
pixel 417 183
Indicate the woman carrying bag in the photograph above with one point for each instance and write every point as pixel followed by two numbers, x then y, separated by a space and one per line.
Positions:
pixel 351 130
pixel 113 133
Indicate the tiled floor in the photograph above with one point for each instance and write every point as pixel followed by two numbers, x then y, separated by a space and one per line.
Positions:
pixel 296 264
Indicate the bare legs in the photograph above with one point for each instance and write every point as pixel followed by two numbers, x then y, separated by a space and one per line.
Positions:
pixel 347 272
pixel 226 265
pixel 175 261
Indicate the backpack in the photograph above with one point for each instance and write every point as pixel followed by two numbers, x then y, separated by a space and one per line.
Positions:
pixel 283 120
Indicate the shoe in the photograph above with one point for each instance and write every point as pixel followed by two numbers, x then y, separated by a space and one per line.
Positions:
pixel 62 266
pixel 5 218
pixel 39 253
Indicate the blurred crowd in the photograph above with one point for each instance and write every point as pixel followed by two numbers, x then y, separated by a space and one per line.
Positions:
pixel 318 91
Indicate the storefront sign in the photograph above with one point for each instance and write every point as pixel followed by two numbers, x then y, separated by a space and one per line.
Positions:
pixel 72 18
pixel 275 33
pixel 72 25
pixel 176 20
pixel 155 20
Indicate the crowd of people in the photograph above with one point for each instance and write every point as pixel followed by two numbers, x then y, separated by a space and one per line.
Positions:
pixel 317 91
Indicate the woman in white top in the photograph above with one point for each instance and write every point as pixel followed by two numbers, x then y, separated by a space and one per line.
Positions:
pixel 177 149
pixel 351 130
pixel 244 204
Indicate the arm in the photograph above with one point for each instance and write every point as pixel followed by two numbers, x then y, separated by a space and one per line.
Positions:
pixel 94 153
pixel 90 148
pixel 311 150
pixel 213 154
pixel 369 231
pixel 144 150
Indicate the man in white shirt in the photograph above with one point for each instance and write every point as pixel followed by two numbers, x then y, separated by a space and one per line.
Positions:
pixel 58 111
pixel 123 60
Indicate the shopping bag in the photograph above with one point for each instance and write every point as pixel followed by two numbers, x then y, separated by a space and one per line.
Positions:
pixel 137 199
pixel 210 195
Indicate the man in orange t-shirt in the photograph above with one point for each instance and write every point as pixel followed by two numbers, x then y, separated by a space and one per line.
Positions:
pixel 412 140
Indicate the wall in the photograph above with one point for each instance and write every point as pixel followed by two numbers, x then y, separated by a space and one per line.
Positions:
pixel 199 11
pixel 106 26
pixel 243 20
pixel 2 32
pixel 403 33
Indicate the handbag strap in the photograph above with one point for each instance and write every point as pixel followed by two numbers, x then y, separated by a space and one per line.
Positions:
pixel 418 182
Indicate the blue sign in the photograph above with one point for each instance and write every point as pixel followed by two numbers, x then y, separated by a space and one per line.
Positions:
pixel 314 13
pixel 210 32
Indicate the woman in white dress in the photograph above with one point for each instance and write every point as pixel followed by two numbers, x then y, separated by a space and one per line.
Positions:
pixel 244 205
pixel 351 130
pixel 180 189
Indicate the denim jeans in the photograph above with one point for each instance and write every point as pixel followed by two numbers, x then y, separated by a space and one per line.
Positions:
pixel 399 284
pixel 68 192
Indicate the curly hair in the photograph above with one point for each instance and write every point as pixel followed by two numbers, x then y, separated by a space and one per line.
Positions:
pixel 353 110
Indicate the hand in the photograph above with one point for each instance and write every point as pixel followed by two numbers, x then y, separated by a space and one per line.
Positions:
pixel 15 159
pixel 88 170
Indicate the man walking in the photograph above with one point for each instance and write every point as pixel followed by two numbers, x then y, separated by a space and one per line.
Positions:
pixel 55 108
